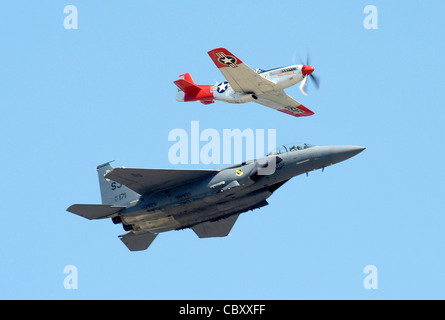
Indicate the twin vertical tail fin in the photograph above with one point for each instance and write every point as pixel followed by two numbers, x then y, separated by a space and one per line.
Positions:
pixel 188 90
pixel 117 194
pixel 114 193
pixel 115 198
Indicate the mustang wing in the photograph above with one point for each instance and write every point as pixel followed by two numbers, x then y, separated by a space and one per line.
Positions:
pixel 240 77
pixel 280 101
pixel 148 180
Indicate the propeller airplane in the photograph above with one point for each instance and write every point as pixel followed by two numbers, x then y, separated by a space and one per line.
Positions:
pixel 244 84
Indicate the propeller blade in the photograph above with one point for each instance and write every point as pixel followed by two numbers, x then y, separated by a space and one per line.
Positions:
pixel 316 81
pixel 307 64
pixel 302 85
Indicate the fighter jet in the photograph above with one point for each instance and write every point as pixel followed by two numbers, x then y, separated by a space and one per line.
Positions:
pixel 245 84
pixel 148 202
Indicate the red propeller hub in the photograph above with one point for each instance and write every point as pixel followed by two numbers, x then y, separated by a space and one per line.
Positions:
pixel 306 70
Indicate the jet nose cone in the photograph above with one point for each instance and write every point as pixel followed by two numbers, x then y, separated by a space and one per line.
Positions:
pixel 341 153
pixel 306 70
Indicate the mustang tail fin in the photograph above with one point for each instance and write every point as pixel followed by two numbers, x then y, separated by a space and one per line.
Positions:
pixel 188 90
pixel 114 193
pixel 187 77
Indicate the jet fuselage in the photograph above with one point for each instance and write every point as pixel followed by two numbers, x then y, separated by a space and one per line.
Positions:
pixel 233 190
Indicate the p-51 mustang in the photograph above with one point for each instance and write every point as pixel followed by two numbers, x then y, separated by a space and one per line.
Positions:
pixel 245 84
pixel 151 201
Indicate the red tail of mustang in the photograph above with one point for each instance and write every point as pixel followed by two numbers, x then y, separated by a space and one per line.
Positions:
pixel 188 90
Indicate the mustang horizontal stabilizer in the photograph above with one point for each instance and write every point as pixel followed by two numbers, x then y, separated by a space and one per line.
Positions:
pixel 187 86
pixel 94 211
pixel 220 228
pixel 147 180
pixel 137 242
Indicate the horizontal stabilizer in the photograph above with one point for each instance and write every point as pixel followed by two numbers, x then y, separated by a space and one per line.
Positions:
pixel 94 211
pixel 137 242
pixel 188 87
pixel 220 228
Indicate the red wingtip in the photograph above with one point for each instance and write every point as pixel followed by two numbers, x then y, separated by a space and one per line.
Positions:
pixel 303 111
pixel 223 58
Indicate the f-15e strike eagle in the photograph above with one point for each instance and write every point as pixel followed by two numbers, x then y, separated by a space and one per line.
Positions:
pixel 148 202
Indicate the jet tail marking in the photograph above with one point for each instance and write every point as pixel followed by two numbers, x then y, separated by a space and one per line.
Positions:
pixel 113 193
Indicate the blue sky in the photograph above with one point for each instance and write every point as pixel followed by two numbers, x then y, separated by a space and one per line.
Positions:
pixel 73 99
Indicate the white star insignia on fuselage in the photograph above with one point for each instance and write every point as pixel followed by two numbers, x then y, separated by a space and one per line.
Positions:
pixel 222 87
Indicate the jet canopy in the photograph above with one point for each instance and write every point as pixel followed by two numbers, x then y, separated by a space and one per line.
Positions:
pixel 290 147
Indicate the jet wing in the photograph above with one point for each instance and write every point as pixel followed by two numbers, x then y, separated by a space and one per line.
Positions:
pixel 148 180
pixel 240 77
pixel 220 228
pixel 280 101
